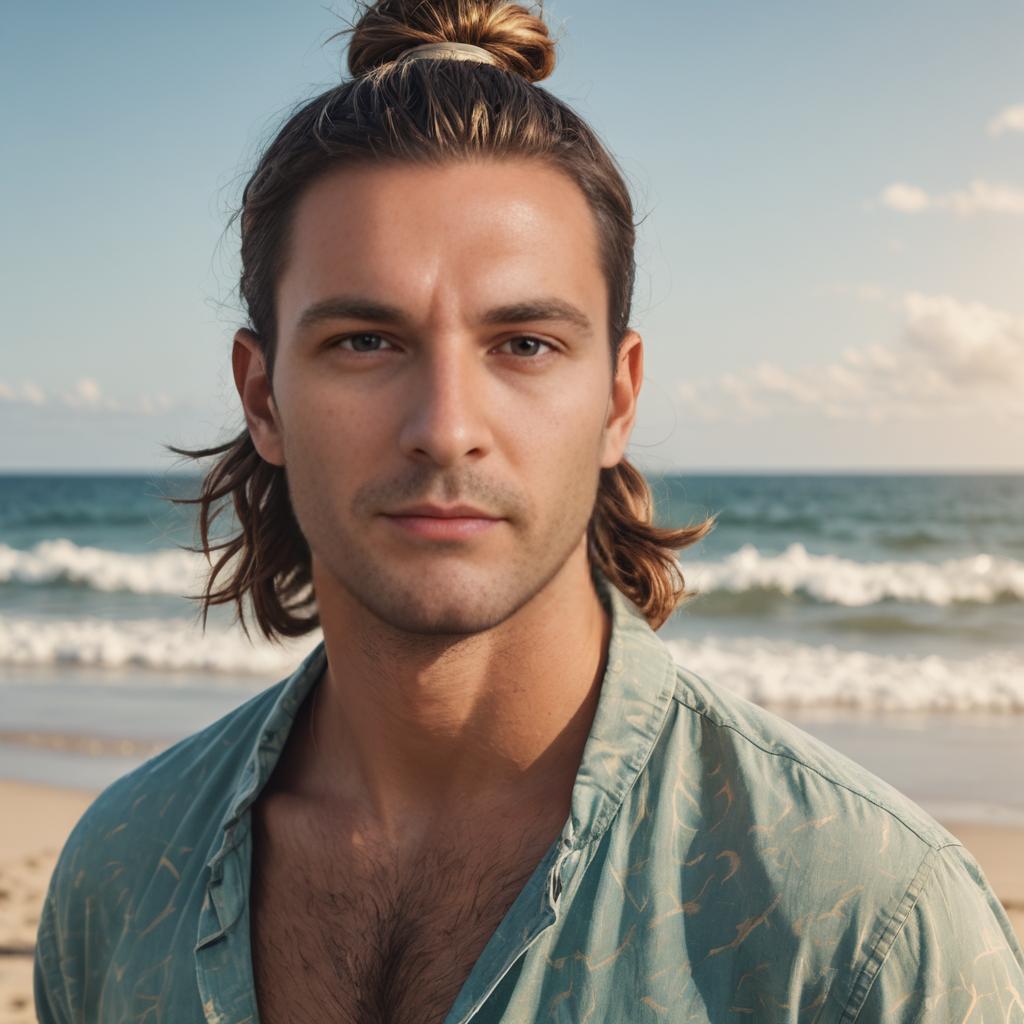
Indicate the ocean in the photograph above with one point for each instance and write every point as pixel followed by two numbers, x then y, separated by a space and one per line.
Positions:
pixel 885 613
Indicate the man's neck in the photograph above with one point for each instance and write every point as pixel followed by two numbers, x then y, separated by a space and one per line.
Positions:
pixel 411 736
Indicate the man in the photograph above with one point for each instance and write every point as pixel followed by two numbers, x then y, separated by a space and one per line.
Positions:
pixel 489 794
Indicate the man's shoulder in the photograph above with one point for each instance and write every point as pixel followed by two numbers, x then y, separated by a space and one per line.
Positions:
pixel 821 871
pixel 799 773
pixel 170 802
pixel 765 854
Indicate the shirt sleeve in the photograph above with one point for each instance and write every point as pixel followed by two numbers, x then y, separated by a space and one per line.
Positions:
pixel 955 957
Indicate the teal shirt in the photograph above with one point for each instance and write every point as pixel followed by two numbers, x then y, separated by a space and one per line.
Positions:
pixel 718 864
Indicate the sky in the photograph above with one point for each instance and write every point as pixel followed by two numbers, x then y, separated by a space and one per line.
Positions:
pixel 831 197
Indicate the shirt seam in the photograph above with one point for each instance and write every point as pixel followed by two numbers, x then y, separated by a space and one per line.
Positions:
pixel 932 844
pixel 883 946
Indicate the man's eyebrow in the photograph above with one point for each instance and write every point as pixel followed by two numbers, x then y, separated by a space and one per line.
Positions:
pixel 343 307
pixel 539 309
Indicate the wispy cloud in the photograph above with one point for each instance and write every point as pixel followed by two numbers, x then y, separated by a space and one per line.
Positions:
pixel 85 395
pixel 25 393
pixel 1009 120
pixel 906 198
pixel 950 358
pixel 978 197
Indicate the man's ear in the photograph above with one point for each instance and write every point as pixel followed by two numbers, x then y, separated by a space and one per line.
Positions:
pixel 258 404
pixel 629 374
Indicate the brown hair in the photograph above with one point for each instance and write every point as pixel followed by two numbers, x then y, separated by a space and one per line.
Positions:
pixel 423 111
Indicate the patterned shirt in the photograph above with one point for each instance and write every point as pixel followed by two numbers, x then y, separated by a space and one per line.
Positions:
pixel 718 864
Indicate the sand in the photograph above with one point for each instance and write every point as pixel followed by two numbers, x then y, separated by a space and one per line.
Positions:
pixel 42 816
pixel 36 821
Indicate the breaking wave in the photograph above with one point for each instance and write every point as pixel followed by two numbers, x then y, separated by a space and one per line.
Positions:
pixel 826 579
pixel 830 579
pixel 163 645
pixel 791 674
pixel 767 671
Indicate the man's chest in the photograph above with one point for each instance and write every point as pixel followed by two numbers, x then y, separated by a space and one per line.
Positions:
pixel 352 936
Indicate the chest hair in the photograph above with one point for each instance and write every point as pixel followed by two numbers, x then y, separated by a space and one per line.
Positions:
pixel 345 932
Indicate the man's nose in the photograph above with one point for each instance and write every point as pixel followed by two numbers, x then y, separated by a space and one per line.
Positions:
pixel 446 401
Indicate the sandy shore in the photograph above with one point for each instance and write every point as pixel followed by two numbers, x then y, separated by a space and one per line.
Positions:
pixel 45 815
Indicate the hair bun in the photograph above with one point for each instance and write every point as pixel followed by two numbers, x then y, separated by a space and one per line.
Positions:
pixel 517 38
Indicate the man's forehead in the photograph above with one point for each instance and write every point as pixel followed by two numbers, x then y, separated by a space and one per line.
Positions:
pixel 496 232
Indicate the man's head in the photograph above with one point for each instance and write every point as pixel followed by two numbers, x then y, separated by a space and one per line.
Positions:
pixel 438 267
pixel 442 337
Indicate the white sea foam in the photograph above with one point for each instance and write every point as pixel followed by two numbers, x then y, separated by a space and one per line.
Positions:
pixel 158 644
pixel 167 571
pixel 787 673
pixel 830 579
pixel 767 671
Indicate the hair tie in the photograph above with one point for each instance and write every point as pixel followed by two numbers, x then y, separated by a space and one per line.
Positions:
pixel 449 51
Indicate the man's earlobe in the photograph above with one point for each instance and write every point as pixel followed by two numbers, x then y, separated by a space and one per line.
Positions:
pixel 254 389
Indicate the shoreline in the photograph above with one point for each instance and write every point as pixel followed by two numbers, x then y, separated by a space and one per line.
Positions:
pixel 47 813
pixel 958 768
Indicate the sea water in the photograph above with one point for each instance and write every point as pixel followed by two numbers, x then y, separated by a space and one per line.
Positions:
pixel 880 611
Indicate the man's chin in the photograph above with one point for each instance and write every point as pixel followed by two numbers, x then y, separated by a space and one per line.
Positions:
pixel 438 600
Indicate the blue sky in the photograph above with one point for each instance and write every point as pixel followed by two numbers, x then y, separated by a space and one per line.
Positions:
pixel 831 257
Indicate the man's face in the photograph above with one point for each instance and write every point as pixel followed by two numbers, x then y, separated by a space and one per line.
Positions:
pixel 442 339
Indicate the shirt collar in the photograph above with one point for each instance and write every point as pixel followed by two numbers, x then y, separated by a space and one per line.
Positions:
pixel 636 693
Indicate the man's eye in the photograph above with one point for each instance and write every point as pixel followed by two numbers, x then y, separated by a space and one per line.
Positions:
pixel 360 341
pixel 367 341
pixel 529 341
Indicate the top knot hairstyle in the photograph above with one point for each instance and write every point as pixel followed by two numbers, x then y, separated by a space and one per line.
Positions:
pixel 518 40
pixel 427 111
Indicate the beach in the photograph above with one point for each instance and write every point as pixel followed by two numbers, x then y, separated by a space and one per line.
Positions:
pixel 881 614
pixel 45 814
pixel 37 821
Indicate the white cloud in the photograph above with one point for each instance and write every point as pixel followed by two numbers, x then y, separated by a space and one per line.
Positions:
pixel 1009 120
pixel 978 197
pixel 986 197
pixel 152 405
pixel 28 393
pixel 906 198
pixel 85 396
pixel 967 341
pixel 951 359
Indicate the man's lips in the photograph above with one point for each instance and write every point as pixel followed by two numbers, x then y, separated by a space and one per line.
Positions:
pixel 447 527
pixel 460 511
